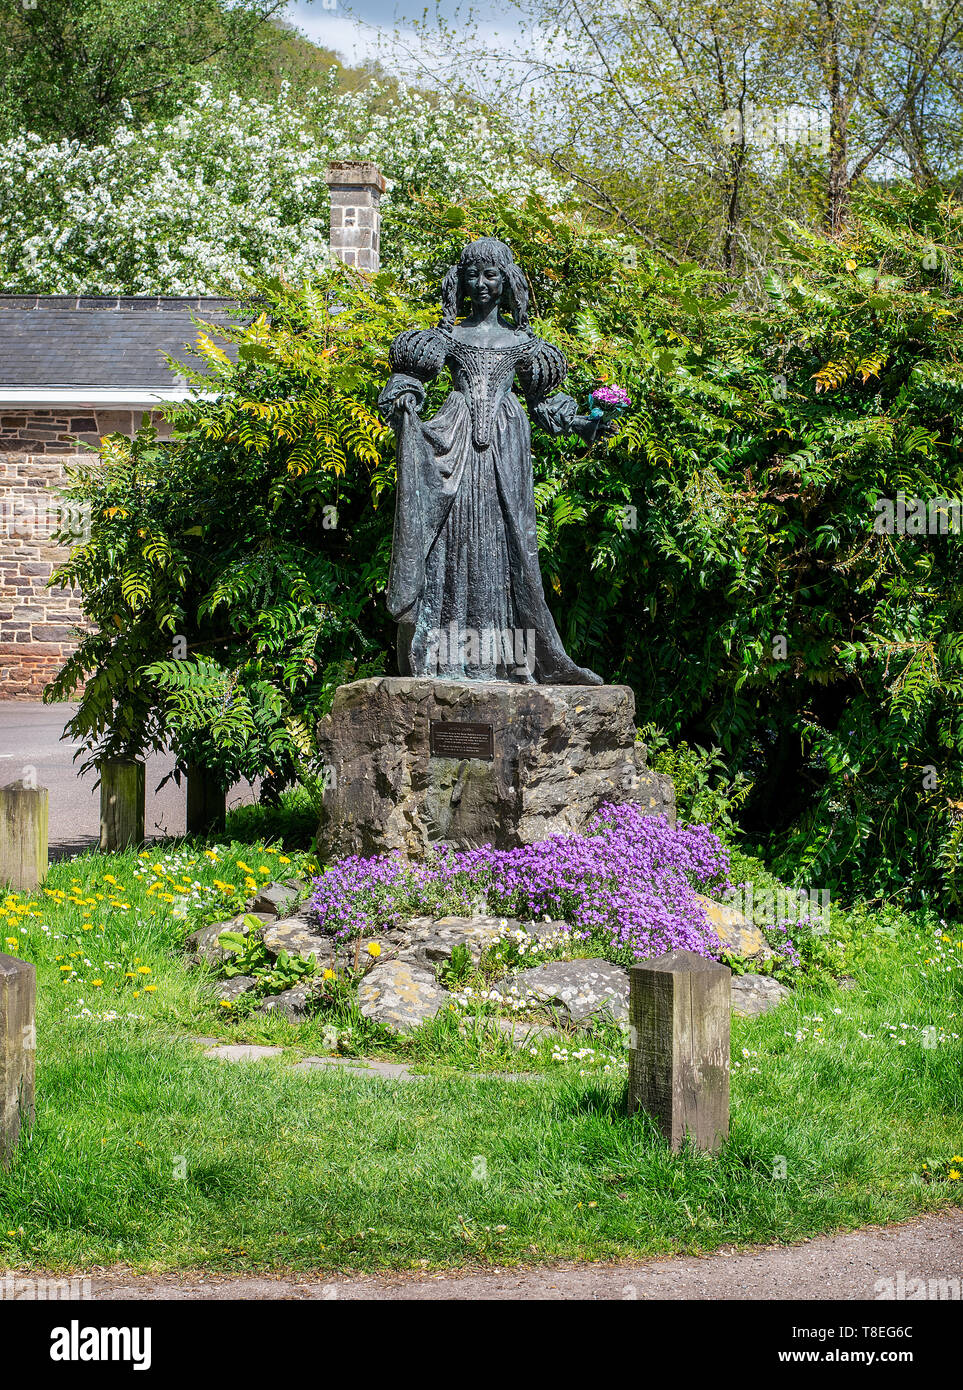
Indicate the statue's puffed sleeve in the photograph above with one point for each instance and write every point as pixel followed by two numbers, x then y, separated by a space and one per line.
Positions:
pixel 415 357
pixel 541 372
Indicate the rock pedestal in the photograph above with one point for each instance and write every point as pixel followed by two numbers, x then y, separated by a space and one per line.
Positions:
pixel 413 762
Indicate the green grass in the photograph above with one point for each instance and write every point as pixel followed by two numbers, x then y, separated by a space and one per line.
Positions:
pixel 145 1151
pixel 293 820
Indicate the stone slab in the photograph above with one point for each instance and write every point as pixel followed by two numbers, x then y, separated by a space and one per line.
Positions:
pixel 738 935
pixel 756 994
pixel 400 995
pixel 242 1052
pixel 394 1071
pixel 575 991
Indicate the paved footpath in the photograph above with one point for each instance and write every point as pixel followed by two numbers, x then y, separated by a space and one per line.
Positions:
pixel 838 1267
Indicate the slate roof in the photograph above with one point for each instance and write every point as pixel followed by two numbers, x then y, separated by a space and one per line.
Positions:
pixel 99 341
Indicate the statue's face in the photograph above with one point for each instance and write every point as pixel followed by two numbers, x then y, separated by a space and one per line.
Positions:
pixel 484 285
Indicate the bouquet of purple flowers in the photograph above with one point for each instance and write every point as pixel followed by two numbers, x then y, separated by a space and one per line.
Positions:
pixel 608 401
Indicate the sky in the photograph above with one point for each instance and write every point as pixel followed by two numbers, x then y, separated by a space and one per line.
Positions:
pixel 359 29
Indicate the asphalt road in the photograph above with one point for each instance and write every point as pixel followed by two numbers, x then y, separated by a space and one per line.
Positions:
pixel 31 737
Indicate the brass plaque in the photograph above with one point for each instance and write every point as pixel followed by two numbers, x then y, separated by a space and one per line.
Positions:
pixel 456 739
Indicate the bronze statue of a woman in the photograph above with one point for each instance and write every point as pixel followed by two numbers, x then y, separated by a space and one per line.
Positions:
pixel 465 586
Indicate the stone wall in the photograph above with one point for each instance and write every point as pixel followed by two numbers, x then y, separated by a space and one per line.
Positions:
pixel 38 624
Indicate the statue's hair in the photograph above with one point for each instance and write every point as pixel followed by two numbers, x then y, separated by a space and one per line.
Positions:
pixel 487 250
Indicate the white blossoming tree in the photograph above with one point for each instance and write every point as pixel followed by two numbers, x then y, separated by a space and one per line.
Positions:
pixel 233 188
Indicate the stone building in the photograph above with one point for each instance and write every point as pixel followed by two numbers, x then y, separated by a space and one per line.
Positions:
pixel 72 369
pixel 75 368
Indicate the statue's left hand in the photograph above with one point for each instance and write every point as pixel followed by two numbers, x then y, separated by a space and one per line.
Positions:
pixel 592 427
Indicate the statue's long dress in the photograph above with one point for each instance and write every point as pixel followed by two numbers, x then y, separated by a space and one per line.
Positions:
pixel 465 550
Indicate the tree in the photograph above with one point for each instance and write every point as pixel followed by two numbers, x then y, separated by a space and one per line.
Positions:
pixel 233 188
pixel 698 127
pixel 73 69
pixel 648 108
pixel 228 570
pixel 875 62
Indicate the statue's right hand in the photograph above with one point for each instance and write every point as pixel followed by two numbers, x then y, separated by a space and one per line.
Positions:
pixel 400 404
pixel 398 397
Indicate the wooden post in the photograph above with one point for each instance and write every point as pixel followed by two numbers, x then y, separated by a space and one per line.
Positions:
pixel 23 836
pixel 18 1047
pixel 679 1008
pixel 206 802
pixel 122 803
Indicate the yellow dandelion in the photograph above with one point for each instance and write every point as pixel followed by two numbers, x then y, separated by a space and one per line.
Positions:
pixel 374 949
pixel 96 983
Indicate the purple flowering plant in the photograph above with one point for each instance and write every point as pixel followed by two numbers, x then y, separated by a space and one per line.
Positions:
pixel 608 400
pixel 628 886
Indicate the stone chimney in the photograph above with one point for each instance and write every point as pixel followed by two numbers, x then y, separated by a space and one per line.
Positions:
pixel 356 189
